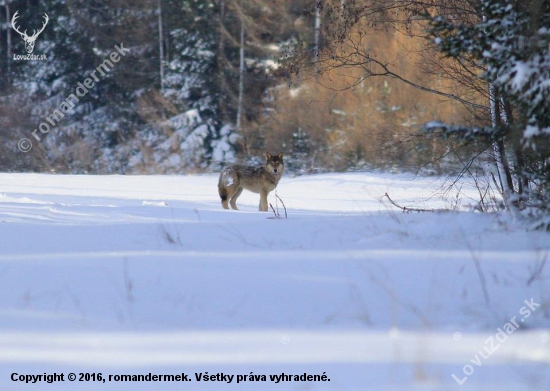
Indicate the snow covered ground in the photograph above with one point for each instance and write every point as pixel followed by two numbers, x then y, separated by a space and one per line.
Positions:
pixel 131 275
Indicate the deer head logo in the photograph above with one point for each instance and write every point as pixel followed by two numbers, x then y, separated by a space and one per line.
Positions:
pixel 29 41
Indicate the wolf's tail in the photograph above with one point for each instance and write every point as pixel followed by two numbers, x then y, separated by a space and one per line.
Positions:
pixel 223 193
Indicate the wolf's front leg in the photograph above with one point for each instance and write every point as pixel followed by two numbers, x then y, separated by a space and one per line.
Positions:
pixel 263 201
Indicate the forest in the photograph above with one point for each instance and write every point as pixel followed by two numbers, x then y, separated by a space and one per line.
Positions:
pixel 405 246
pixel 186 86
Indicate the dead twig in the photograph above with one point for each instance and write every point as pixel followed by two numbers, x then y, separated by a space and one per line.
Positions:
pixel 406 209
pixel 276 212
pixel 279 198
pixel 479 270
pixel 539 265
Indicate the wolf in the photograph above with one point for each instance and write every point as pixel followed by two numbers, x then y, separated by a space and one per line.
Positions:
pixel 263 180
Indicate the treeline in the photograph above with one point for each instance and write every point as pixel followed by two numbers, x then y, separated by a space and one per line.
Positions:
pixel 195 76
pixel 205 83
pixel 431 86
pixel 490 56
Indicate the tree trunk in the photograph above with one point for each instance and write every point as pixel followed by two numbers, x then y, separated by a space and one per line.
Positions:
pixel 519 169
pixel 496 152
pixel 499 148
pixel 241 74
pixel 8 44
pixel 221 28
pixel 317 32
pixel 161 47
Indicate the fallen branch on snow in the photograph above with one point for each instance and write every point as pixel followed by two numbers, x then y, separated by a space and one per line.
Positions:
pixel 406 209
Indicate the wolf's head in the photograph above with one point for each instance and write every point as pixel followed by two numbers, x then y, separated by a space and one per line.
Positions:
pixel 274 164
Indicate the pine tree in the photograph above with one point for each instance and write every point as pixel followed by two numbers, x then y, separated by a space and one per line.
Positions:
pixel 511 43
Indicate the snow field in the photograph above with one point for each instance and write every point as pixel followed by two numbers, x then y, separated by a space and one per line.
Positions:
pixel 148 274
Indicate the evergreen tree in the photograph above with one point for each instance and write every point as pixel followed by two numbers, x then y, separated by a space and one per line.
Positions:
pixel 170 104
pixel 511 43
pixel 191 76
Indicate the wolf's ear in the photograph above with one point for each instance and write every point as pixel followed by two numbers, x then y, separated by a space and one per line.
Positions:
pixel 267 155
pixel 281 155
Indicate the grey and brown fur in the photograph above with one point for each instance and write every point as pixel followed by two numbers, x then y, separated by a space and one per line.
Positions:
pixel 263 180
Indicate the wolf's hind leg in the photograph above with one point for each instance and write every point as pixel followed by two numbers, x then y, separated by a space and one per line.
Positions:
pixel 226 193
pixel 227 186
pixel 223 196
pixel 233 201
